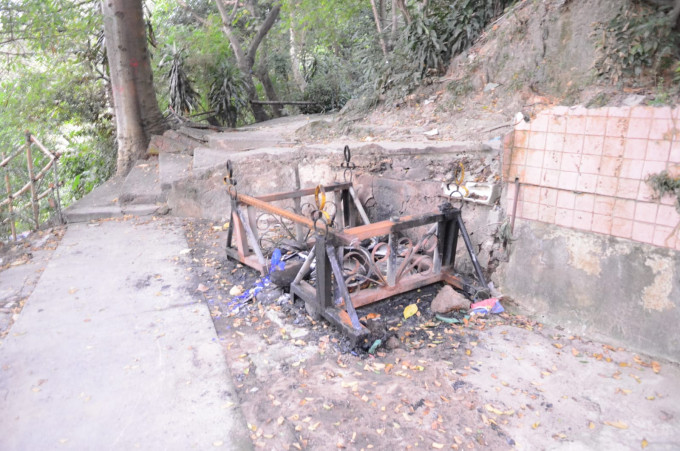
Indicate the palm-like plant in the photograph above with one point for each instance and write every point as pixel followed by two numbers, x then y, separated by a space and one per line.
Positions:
pixel 228 95
pixel 183 98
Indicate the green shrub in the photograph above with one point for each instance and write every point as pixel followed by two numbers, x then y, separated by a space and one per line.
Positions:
pixel 639 39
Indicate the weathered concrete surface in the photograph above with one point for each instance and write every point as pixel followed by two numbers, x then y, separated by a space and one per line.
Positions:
pixel 21 266
pixel 112 350
pixel 597 285
pixel 142 184
pixel 274 133
pixel 101 202
pixel 550 390
pixel 173 167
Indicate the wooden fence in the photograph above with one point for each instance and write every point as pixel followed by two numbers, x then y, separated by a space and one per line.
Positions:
pixel 15 202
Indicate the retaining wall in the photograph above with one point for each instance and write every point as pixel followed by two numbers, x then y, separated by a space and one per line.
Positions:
pixel 594 249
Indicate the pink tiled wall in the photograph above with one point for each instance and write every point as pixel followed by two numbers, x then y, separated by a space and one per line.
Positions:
pixel 586 169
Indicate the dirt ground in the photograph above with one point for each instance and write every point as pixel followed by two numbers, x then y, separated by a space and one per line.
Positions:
pixel 498 382
pixel 501 382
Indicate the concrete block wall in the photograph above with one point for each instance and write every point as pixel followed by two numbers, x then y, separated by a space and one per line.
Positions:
pixel 586 169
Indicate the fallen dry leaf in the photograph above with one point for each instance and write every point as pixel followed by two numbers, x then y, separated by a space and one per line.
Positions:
pixel 410 310
pixel 492 409
pixel 656 367
pixel 617 424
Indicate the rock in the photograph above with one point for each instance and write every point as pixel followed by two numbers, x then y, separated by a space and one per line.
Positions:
pixel 392 343
pixel 268 295
pixel 490 87
pixel 286 276
pixel 236 290
pixel 448 300
pixel 633 100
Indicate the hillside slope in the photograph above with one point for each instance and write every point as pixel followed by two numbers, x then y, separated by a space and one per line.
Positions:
pixel 537 54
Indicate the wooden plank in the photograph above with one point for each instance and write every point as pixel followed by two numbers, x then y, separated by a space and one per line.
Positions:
pixel 251 236
pixel 31 181
pixel 250 260
pixel 411 282
pixel 360 208
pixel 239 236
pixel 385 227
pixel 44 149
pixel 300 193
pixel 340 281
pixel 262 205
pixel 282 102
pixel 10 212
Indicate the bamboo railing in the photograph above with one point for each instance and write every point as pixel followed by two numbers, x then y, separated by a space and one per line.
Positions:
pixel 32 186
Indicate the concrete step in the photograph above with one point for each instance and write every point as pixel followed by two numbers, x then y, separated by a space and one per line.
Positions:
pixel 102 203
pixel 197 134
pixel 142 185
pixel 173 167
pixel 188 141
pixel 162 144
pixel 246 140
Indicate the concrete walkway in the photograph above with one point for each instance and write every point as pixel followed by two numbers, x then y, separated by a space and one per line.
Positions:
pixel 113 351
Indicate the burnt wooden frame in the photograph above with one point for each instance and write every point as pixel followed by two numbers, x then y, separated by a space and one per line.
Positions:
pixel 329 243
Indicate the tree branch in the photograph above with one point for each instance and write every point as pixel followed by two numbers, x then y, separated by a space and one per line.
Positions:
pixel 262 32
pixel 193 13
pixel 227 20
pixel 376 16
pixel 404 11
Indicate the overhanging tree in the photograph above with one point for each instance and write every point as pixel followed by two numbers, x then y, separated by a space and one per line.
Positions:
pixel 134 100
pixel 245 52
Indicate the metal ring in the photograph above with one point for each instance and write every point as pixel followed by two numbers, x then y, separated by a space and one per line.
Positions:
pixel 320 201
pixel 461 197
pixel 346 177
pixel 231 189
pixel 348 154
pixel 459 180
pixel 318 216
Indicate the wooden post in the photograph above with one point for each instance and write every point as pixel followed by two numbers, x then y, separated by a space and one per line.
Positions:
pixel 55 192
pixel 299 237
pixel 34 199
pixel 10 206
pixel 392 259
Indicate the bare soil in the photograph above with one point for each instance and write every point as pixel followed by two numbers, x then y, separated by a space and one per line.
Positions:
pixel 498 382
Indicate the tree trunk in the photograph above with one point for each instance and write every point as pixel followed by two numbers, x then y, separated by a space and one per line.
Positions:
pixel 395 23
pixel 674 15
pixel 378 22
pixel 404 11
pixel 262 74
pixel 134 100
pixel 295 62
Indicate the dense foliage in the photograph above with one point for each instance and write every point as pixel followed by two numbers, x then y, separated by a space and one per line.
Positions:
pixel 211 58
pixel 53 83
pixel 639 40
